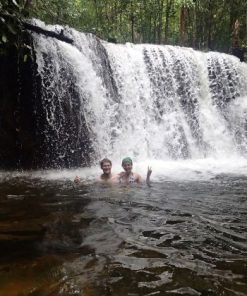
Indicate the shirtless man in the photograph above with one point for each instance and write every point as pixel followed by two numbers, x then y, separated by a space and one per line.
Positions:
pixel 129 177
pixel 106 177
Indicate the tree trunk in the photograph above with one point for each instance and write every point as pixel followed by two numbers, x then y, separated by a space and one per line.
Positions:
pixel 194 38
pixel 210 17
pixel 168 10
pixel 160 13
pixel 132 23
pixel 183 26
pixel 235 34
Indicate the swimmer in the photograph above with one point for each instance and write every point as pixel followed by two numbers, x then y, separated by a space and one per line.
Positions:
pixel 107 176
pixel 129 177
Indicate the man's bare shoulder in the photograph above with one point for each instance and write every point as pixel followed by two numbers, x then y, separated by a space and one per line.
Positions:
pixel 115 178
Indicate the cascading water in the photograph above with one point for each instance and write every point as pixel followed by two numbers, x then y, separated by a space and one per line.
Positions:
pixel 146 101
pixel 181 111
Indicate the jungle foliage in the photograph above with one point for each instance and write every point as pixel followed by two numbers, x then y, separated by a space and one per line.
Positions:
pixel 201 24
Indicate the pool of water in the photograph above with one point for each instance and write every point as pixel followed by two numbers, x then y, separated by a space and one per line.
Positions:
pixel 184 236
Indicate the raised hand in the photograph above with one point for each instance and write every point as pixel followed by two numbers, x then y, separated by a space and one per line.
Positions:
pixel 149 172
pixel 77 180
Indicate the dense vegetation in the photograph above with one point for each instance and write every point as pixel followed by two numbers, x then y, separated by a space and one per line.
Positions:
pixel 202 24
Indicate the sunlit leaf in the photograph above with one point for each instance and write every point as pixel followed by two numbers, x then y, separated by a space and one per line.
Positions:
pixel 15 3
pixel 11 29
pixel 27 46
pixel 2 20
pixel 4 39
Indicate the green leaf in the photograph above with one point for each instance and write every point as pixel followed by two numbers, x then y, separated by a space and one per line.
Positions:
pixel 2 20
pixel 15 3
pixel 4 38
pixel 25 58
pixel 27 46
pixel 11 29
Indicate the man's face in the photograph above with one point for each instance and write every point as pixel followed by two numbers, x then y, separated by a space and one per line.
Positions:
pixel 127 166
pixel 106 167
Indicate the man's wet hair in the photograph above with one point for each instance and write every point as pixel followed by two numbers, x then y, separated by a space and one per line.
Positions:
pixel 104 160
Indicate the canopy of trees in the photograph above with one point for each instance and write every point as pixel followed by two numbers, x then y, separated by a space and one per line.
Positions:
pixel 201 24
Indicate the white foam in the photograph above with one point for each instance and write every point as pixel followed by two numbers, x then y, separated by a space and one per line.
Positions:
pixel 182 170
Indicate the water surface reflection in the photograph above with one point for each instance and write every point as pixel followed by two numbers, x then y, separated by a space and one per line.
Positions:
pixel 175 238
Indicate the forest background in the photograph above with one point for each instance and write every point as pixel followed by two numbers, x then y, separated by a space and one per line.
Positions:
pixel 201 24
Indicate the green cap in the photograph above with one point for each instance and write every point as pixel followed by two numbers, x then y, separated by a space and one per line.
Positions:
pixel 127 160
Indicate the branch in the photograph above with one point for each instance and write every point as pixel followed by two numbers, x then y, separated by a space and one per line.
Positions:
pixel 36 29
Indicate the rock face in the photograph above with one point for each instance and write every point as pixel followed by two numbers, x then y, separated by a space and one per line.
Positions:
pixel 17 122
pixel 26 140
pixel 8 93
pixel 239 52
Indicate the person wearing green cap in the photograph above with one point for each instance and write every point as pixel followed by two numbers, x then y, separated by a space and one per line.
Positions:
pixel 129 177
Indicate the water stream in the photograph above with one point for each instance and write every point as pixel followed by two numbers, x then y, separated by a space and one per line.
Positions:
pixel 146 101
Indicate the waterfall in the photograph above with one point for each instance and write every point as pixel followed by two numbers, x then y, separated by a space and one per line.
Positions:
pixel 146 101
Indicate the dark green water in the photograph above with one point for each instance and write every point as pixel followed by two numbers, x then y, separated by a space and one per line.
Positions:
pixel 175 238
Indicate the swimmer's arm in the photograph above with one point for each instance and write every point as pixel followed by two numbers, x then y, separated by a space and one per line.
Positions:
pixel 149 172
pixel 77 180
